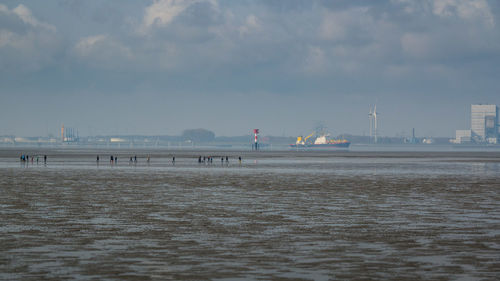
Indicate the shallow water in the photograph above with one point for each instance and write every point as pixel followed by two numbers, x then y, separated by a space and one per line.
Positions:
pixel 278 216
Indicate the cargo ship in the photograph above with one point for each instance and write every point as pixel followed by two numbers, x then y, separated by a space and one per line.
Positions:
pixel 322 141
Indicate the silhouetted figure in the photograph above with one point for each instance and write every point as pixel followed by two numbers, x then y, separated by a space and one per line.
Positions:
pixel 239 158
pixel 97 158
pixel 135 158
pixel 199 159
pixel 116 160
pixel 131 159
pixel 173 159
pixel 37 159
pixel 45 159
pixel 222 160
pixel 227 159
pixel 111 159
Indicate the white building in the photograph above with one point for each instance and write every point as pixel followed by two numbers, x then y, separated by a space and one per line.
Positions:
pixel 484 122
pixel 463 136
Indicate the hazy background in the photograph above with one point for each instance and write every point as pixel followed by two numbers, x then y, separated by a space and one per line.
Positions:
pixel 159 67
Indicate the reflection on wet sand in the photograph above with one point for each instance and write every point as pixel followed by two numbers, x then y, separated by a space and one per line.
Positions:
pixel 278 216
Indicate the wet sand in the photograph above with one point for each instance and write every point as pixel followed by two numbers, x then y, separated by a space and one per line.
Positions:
pixel 277 216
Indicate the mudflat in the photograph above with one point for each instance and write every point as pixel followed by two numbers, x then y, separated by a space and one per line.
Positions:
pixel 274 216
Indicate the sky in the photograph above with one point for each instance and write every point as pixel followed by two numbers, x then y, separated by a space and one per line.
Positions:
pixel 159 67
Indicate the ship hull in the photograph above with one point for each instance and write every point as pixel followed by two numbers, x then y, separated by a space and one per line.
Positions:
pixel 326 145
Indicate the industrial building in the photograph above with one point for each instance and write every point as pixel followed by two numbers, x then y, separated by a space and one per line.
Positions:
pixel 484 122
pixel 69 135
pixel 463 136
pixel 484 125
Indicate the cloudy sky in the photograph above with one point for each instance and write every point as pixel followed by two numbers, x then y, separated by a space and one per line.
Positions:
pixel 158 67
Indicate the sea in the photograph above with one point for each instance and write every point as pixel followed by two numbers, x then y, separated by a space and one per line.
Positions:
pixel 274 215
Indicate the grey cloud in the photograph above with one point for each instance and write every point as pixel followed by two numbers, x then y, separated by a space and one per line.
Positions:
pixel 26 44
pixel 202 14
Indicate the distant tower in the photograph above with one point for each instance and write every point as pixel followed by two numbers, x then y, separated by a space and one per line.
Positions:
pixel 62 133
pixel 256 144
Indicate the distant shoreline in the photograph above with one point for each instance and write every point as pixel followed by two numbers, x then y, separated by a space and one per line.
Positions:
pixel 15 152
pixel 356 147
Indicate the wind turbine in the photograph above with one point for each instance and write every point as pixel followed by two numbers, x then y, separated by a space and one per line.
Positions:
pixel 372 116
pixel 375 121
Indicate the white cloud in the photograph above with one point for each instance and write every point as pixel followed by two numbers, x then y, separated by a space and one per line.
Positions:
pixel 252 23
pixel 27 17
pixel 163 12
pixel 465 9
pixel 102 51
pixel 86 45
pixel 468 10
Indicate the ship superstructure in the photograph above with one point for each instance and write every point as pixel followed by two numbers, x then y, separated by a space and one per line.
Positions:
pixel 322 141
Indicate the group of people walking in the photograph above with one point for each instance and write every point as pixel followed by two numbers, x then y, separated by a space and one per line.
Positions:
pixel 114 159
pixel 210 159
pixel 25 158
pixel 201 159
